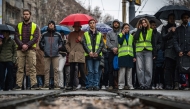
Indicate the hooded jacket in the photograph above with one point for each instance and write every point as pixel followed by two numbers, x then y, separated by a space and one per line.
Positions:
pixel 112 37
pixel 50 43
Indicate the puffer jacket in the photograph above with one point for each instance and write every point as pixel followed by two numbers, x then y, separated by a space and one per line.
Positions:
pixel 8 51
pixel 50 43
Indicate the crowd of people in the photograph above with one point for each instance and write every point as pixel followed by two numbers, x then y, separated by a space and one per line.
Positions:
pixel 90 60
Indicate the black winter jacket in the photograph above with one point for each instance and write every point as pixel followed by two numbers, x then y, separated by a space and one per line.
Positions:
pixel 93 42
pixel 182 39
pixel 167 37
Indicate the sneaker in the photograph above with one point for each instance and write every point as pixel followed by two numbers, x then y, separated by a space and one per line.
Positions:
pixel 17 87
pixel 157 86
pixel 35 87
pixel 168 87
pixel 153 88
pixel 78 87
pixel 69 88
pixel 176 86
pixel 90 88
pixel 83 88
pixel 131 88
pixel 110 88
pixel 40 87
pixel 120 88
pixel 160 86
pixel 103 87
pixel 96 88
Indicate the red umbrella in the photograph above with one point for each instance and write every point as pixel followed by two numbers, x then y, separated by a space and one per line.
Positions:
pixel 82 18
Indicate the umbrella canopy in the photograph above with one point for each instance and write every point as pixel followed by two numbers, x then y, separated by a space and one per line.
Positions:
pixel 110 23
pixel 101 27
pixel 175 9
pixel 59 28
pixel 82 18
pixel 134 21
pixel 7 28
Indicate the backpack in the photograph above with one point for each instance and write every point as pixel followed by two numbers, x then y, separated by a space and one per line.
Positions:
pixel 115 63
pixel 184 64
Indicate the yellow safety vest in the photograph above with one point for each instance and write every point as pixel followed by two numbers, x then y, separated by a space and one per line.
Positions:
pixel 33 28
pixel 141 43
pixel 126 49
pixel 88 42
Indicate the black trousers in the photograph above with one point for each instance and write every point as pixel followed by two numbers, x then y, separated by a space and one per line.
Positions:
pixel 6 82
pixel 169 71
pixel 105 73
pixel 72 73
pixel 112 73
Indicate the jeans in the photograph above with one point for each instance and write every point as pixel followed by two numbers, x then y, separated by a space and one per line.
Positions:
pixel 62 61
pixel 8 77
pixel 144 66
pixel 39 80
pixel 93 75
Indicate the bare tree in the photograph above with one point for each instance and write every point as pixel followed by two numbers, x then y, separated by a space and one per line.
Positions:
pixel 180 2
pixel 107 17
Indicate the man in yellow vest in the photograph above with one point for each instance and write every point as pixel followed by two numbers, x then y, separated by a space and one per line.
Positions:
pixel 26 37
pixel 93 44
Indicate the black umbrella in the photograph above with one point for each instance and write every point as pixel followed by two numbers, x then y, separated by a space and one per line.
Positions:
pixel 175 9
pixel 7 28
pixel 110 23
pixel 134 21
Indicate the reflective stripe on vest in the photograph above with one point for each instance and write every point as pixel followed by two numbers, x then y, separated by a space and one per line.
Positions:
pixel 33 28
pixel 141 43
pixel 88 42
pixel 126 49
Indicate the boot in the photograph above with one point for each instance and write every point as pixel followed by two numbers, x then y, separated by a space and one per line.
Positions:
pixel 176 86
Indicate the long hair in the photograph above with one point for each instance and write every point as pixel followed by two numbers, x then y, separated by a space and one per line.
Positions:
pixel 140 23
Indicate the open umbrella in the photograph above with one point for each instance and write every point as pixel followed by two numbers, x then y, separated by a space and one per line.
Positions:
pixel 134 21
pixel 110 23
pixel 101 27
pixel 59 28
pixel 7 28
pixel 82 18
pixel 175 9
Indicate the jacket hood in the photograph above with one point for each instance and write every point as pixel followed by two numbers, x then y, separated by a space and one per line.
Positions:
pixel 116 20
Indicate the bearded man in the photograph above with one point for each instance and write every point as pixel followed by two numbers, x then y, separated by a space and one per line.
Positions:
pixel 26 37
pixel 112 45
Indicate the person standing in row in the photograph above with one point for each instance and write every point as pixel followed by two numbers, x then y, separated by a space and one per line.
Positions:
pixel 167 34
pixel 26 37
pixel 76 55
pixel 112 45
pixel 158 72
pixel 7 60
pixel 50 43
pixel 93 44
pixel 145 53
pixel 126 57
pixel 182 46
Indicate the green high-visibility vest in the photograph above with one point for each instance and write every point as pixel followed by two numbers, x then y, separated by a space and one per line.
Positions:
pixel 33 28
pixel 89 44
pixel 141 43
pixel 126 49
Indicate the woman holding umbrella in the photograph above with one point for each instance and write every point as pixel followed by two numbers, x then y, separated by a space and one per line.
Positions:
pixel 145 53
